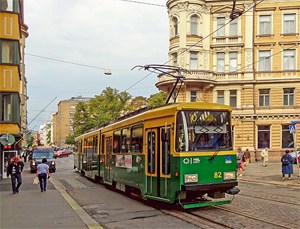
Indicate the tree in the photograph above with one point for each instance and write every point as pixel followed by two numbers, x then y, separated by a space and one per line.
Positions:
pixel 70 140
pixel 81 122
pixel 107 106
pixel 157 99
pixel 48 137
pixel 137 103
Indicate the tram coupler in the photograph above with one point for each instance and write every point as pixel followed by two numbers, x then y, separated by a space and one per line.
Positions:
pixel 233 191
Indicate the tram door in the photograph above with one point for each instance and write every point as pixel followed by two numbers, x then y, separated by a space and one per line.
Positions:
pixel 158 162
pixel 108 160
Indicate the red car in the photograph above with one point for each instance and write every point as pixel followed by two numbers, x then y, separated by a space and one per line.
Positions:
pixel 62 153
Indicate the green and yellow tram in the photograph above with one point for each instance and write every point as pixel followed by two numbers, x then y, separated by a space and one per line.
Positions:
pixel 178 153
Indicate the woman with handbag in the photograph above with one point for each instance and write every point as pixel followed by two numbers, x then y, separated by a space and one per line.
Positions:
pixel 42 173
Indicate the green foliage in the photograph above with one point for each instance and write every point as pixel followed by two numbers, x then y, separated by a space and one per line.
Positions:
pixel 70 140
pixel 107 106
pixel 157 99
pixel 137 103
pixel 48 137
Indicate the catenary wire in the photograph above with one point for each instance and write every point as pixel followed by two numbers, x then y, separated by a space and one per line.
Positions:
pixel 144 3
pixel 209 35
pixel 64 61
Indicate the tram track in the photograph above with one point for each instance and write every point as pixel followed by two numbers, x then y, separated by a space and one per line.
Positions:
pixel 290 202
pixel 214 217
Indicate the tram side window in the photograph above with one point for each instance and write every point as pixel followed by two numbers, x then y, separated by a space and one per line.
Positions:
pixel 166 151
pixel 117 141
pixel 151 152
pixel 136 139
pixel 125 147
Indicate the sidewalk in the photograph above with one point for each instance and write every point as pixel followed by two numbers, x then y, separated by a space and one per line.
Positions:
pixel 271 174
pixel 31 208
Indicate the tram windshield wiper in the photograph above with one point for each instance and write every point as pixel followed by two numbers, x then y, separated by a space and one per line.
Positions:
pixel 214 155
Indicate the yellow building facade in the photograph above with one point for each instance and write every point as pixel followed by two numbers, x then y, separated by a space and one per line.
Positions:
pixel 13 92
pixel 62 120
pixel 245 56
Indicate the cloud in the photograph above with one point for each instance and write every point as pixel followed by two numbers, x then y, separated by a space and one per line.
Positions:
pixel 109 34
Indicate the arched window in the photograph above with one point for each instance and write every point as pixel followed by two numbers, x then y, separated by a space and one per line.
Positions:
pixel 194 25
pixel 175 26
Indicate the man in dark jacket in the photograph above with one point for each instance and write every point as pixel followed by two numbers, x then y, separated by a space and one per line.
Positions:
pixel 15 169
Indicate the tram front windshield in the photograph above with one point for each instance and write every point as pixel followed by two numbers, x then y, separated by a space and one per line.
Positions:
pixel 203 131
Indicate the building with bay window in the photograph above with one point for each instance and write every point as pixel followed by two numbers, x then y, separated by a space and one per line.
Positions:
pixel 250 63
pixel 13 88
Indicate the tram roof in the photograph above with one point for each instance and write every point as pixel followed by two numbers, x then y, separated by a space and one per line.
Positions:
pixel 156 112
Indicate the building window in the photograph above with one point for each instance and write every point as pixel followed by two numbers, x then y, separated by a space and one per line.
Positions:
pixel 287 140
pixel 289 23
pixel 233 61
pixel 175 26
pixel 10 5
pixel 264 24
pixel 9 107
pixel 289 59
pixel 233 28
pixel 193 60
pixel 194 25
pixel 220 62
pixel 193 96
pixel 264 60
pixel 263 137
pixel 233 98
pixel 220 97
pixel 174 59
pixel 221 26
pixel 10 53
pixel 288 96
pixel 264 97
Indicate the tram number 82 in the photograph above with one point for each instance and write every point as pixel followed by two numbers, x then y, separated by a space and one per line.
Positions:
pixel 217 175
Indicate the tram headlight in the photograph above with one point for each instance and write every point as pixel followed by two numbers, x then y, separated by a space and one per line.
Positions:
pixel 190 178
pixel 229 175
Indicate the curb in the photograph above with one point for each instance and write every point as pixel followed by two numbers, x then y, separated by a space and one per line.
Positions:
pixel 89 221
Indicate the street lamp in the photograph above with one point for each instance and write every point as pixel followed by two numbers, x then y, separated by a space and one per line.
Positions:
pixel 107 72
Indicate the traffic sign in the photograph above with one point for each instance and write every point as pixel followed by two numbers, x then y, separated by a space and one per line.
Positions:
pixel 7 139
pixel 292 129
pixel 294 122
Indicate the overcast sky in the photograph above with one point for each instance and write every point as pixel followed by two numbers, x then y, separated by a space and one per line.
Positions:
pixel 109 34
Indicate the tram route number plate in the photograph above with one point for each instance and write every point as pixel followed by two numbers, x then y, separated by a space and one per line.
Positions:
pixel 189 161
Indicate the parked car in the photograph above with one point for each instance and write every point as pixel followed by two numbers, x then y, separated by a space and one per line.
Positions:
pixel 62 153
pixel 295 154
pixel 38 154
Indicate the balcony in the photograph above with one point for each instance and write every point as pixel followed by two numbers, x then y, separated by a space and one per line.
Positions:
pixel 279 75
pixel 227 40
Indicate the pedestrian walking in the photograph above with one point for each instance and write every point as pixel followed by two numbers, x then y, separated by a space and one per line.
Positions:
pixel 239 161
pixel 25 156
pixel 15 169
pixel 287 164
pixel 265 156
pixel 43 173
pixel 247 156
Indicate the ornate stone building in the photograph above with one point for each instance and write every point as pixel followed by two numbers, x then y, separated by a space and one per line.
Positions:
pixel 250 63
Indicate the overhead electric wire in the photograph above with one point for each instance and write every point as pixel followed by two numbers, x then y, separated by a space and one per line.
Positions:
pixel 64 61
pixel 236 71
pixel 209 35
pixel 144 3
